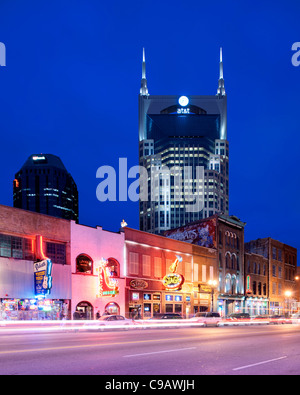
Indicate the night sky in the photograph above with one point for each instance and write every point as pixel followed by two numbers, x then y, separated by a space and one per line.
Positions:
pixel 71 85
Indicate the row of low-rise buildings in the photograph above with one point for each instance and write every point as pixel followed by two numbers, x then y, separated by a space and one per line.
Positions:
pixel 53 268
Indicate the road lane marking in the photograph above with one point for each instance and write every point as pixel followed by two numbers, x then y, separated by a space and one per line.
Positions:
pixel 158 352
pixel 88 346
pixel 259 363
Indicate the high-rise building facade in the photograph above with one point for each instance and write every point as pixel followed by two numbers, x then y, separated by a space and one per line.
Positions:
pixel 183 145
pixel 43 185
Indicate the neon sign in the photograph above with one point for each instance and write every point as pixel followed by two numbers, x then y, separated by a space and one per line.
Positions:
pixel 107 284
pixel 248 285
pixel 42 277
pixel 173 281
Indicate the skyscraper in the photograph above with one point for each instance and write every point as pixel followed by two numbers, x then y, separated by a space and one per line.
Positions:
pixel 183 145
pixel 44 185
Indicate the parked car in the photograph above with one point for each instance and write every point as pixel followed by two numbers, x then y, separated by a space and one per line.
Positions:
pixel 167 316
pixel 207 318
pixel 235 318
pixel 114 321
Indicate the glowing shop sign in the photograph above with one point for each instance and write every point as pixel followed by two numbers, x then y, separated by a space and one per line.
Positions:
pixel 42 277
pixel 107 284
pixel 173 281
pixel 248 285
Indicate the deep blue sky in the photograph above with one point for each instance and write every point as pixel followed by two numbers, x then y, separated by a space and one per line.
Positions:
pixel 72 80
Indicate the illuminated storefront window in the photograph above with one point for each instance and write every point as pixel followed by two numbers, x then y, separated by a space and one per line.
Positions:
pixel 33 309
pixel 112 308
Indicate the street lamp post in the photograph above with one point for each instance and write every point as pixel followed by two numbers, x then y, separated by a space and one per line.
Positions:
pixel 213 284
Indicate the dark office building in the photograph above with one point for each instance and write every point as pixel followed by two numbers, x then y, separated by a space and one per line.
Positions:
pixel 43 185
pixel 183 145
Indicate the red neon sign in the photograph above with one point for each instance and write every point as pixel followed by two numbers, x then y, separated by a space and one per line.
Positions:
pixel 107 284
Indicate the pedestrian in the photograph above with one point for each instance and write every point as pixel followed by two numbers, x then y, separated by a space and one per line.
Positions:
pixel 76 315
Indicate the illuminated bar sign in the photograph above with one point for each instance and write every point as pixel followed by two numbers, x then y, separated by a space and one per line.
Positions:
pixel 42 277
pixel 248 285
pixel 107 284
pixel 173 281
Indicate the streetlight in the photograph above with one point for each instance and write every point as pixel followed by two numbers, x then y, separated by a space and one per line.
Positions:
pixel 213 284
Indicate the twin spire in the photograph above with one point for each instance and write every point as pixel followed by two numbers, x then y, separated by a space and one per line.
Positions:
pixel 144 88
pixel 221 88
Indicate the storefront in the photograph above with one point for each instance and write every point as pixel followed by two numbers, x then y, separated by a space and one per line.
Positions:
pixel 230 305
pixel 148 299
pixel 34 309
pixel 257 306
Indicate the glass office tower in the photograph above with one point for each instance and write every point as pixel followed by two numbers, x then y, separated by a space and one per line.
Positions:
pixel 183 145
pixel 43 185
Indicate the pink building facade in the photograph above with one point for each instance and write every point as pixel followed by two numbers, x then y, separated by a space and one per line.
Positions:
pixel 97 265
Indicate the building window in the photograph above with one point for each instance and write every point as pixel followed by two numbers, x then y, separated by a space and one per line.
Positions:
pixel 146 265
pixel 84 264
pixel 280 255
pixel 228 283
pixel 56 252
pixel 134 263
pixel 220 261
pixel 274 270
pixel 5 246
pixel 114 267
pixel 16 247
pixel 188 271
pixel 254 288
pixel 157 267
pixel 259 288
pixel 265 289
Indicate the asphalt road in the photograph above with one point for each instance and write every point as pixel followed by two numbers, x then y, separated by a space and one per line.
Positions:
pixel 249 350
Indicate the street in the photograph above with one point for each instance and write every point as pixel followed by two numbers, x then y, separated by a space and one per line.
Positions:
pixel 246 350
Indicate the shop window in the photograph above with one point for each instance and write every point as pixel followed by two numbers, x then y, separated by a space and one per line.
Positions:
pixel 114 267
pixel 112 308
pixel 169 308
pixel 84 264
pixel 178 308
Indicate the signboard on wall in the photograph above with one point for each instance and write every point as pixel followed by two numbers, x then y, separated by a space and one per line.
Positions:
pixel 173 281
pixel 202 233
pixel 42 277
pixel 107 283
